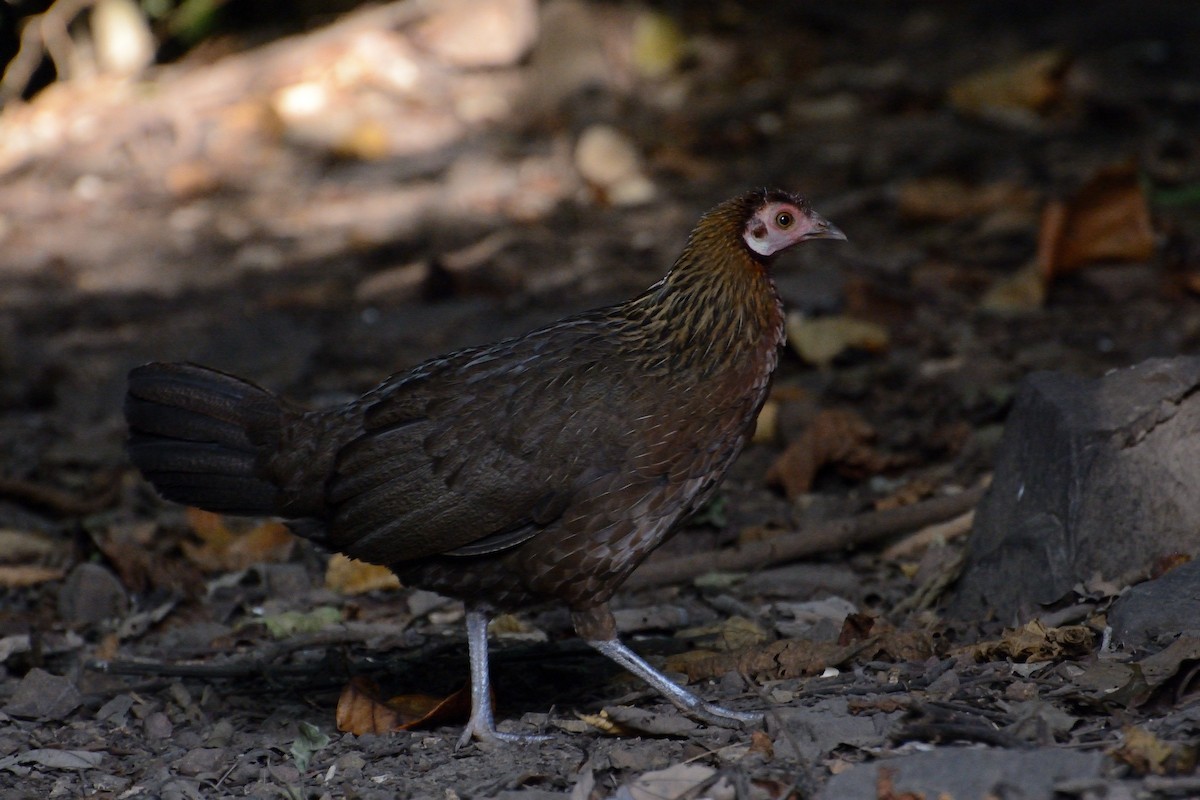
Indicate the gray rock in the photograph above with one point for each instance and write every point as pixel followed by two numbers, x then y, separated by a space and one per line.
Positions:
pixel 41 695
pixel 825 725
pixel 91 594
pixel 967 774
pixel 1158 609
pixel 1093 478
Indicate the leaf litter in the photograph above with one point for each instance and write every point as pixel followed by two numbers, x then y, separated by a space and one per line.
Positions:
pixel 953 218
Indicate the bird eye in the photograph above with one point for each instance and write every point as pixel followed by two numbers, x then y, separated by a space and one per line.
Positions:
pixel 784 219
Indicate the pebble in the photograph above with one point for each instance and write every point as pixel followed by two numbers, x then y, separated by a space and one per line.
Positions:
pixel 91 594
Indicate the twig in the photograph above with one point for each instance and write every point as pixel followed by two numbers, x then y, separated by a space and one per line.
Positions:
pixel 946 531
pixel 235 669
pixel 959 731
pixel 829 536
pixel 261 664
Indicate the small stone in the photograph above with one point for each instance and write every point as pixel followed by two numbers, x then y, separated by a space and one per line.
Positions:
pixel 608 160
pixel 41 695
pixel 351 761
pixel 158 726
pixel 1160 609
pixel 116 709
pixel 221 734
pixel 91 594
pixel 286 580
pixel 202 761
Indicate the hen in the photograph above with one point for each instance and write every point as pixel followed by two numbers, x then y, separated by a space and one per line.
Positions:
pixel 542 467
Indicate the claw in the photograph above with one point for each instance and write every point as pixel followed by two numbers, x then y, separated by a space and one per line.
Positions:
pixel 681 698
pixel 489 735
pixel 482 725
pixel 720 716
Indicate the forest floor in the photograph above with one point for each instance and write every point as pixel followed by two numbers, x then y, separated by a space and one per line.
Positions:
pixel 320 211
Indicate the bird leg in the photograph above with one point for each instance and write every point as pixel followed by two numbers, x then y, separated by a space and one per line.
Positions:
pixel 482 725
pixel 597 627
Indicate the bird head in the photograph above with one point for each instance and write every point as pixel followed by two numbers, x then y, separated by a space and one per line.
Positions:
pixel 781 220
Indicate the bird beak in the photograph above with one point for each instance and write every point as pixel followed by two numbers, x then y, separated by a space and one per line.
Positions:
pixel 823 228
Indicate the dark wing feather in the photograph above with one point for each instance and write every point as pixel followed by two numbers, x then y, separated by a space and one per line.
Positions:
pixel 472 454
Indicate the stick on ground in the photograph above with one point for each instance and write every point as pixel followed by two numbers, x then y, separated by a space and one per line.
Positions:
pixel 826 537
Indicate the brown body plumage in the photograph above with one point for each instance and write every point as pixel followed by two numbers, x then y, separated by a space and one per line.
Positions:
pixel 545 466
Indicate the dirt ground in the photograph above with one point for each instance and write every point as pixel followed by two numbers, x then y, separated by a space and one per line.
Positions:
pixel 1020 186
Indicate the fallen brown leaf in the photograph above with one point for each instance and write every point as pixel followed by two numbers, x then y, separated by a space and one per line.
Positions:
pixel 351 576
pixel 786 658
pixel 820 341
pixel 1146 754
pixel 761 744
pixel 1035 642
pixel 223 549
pixel 885 705
pixel 140 566
pixel 1024 290
pixel 855 628
pixel 913 491
pixel 361 710
pixel 1015 92
pixel 730 635
pixel 17 546
pixel 15 577
pixel 888 643
pixel 947 199
pixel 835 436
pixel 1164 665
pixel 1108 219
pixel 885 788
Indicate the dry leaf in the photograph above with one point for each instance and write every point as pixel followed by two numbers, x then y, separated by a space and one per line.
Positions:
pixel 1108 219
pixel 947 199
pixel 658 44
pixel 779 660
pixel 509 626
pixel 16 577
pixel 351 576
pixel 761 744
pixel 18 545
pixel 141 567
pixel 729 635
pixel 1024 290
pixel 820 341
pixel 836 436
pixel 874 638
pixel 1165 664
pixel 885 787
pixel 293 623
pixel 1035 642
pixel 1017 92
pixel 680 780
pixel 914 491
pixel 876 705
pixel 1146 754
pixel 360 709
pixel 603 723
pixel 222 549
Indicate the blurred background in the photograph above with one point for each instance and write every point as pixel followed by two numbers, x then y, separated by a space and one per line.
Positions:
pixel 314 195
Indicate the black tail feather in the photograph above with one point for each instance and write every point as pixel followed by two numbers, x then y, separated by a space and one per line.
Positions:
pixel 203 438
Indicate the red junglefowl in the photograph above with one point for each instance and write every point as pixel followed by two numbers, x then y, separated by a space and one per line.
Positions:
pixel 544 467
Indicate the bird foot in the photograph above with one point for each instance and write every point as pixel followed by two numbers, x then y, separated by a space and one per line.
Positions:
pixel 722 717
pixel 489 735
